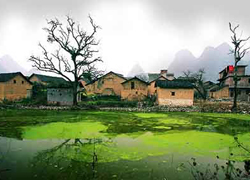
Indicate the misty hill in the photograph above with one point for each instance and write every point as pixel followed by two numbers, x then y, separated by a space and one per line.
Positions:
pixel 136 70
pixel 213 60
pixel 7 64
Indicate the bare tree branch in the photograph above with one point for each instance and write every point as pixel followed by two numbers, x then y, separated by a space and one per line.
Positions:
pixel 79 45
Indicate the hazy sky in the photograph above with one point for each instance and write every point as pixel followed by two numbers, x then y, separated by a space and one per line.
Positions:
pixel 148 32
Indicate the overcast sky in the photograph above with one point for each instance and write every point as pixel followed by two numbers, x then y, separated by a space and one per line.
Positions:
pixel 148 32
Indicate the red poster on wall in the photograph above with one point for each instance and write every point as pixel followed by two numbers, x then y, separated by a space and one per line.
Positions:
pixel 230 68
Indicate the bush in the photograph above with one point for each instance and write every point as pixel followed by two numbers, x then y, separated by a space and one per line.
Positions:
pixel 109 103
pixel 101 97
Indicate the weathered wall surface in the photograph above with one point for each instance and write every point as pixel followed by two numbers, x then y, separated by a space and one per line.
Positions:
pixel 152 88
pixel 108 85
pixel 220 94
pixel 15 90
pixel 61 96
pixel 182 97
pixel 139 92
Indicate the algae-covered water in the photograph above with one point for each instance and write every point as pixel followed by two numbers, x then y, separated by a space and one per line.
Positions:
pixel 117 145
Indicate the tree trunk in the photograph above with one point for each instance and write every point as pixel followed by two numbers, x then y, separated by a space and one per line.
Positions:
pixel 234 108
pixel 74 94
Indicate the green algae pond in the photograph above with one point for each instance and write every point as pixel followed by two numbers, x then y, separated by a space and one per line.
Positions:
pixel 118 145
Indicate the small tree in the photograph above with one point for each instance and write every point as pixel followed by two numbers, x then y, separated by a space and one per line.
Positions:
pixel 239 52
pixel 197 79
pixel 74 54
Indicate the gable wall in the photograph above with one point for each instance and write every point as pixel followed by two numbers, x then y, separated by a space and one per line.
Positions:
pixel 35 79
pixel 13 91
pixel 107 85
pixel 139 93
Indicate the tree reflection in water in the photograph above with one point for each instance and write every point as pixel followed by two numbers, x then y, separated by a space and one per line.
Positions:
pixel 68 160
pixel 3 155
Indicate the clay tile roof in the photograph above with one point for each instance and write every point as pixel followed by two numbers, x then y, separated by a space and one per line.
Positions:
pixel 49 79
pixel 153 76
pixel 4 77
pixel 174 84
pixel 136 79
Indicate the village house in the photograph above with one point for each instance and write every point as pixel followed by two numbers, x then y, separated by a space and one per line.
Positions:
pixel 14 86
pixel 174 93
pixel 225 88
pixel 164 75
pixel 45 80
pixel 134 89
pixel 108 84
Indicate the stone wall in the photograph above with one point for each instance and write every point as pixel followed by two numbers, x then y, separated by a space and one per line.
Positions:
pixel 60 96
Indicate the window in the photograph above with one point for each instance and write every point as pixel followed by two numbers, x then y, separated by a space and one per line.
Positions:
pixel 231 94
pixel 14 81
pixel 172 93
pixel 249 80
pixel 136 92
pixel 132 85
pixel 22 82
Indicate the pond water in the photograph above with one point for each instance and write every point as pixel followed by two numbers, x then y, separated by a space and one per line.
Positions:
pixel 117 145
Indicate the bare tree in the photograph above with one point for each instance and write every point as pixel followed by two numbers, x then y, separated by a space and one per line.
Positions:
pixel 239 52
pixel 197 79
pixel 75 51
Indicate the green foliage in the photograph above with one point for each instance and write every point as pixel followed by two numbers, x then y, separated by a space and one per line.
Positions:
pixel 39 94
pixel 109 103
pixel 106 101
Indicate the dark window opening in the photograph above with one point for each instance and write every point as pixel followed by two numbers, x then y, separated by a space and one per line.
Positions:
pixel 172 93
pixel 249 80
pixel 22 82
pixel 14 81
pixel 231 94
pixel 60 94
pixel 136 92
pixel 132 85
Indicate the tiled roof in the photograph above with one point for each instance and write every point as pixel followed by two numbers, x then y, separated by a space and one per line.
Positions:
pixel 173 84
pixel 4 77
pixel 153 76
pixel 136 79
pixel 49 79
pixel 217 88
